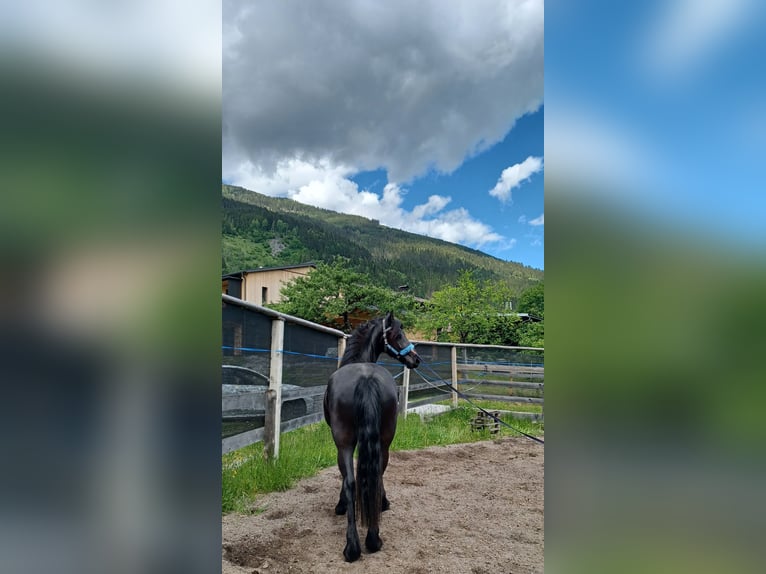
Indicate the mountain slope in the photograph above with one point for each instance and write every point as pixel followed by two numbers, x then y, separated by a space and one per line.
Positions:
pixel 265 231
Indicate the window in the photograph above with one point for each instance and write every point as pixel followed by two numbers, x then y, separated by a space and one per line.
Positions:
pixel 264 295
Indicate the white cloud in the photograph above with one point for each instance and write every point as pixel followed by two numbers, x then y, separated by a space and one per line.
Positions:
pixel 327 186
pixel 403 86
pixel 522 219
pixel 287 176
pixel 435 204
pixel 513 177
pixel 538 220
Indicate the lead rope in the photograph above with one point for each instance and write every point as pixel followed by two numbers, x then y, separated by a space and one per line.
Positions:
pixel 461 395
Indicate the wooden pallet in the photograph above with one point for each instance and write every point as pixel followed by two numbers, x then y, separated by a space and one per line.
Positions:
pixel 483 421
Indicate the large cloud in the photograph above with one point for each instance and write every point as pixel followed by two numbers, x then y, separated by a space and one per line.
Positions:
pixel 336 88
pixel 401 85
pixel 328 187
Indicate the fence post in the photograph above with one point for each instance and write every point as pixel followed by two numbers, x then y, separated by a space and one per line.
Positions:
pixel 405 391
pixel 454 376
pixel 273 418
pixel 341 348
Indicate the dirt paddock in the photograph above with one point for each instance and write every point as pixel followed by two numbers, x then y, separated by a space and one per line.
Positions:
pixel 471 508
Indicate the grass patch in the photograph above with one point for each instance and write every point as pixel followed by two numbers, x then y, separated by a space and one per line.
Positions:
pixel 307 450
pixel 453 427
pixel 246 474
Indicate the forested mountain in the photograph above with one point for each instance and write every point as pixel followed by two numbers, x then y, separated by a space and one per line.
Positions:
pixel 265 231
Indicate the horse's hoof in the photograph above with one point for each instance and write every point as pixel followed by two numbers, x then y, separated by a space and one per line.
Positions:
pixel 340 509
pixel 352 554
pixel 373 542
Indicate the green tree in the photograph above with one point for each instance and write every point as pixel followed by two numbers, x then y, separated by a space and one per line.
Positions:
pixel 531 334
pixel 332 290
pixel 471 312
pixel 503 330
pixel 532 301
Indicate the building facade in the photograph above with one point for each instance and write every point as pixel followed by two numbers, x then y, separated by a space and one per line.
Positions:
pixel 263 285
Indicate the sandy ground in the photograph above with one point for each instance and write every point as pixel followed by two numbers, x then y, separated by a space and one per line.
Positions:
pixel 473 508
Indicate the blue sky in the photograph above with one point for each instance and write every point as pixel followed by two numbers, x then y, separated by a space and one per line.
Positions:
pixel 470 184
pixel 669 122
pixel 427 117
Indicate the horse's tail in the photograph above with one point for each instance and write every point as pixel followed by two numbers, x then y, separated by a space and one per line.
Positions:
pixel 369 490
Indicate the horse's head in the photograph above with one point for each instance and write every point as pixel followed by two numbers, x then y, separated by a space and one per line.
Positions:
pixel 396 343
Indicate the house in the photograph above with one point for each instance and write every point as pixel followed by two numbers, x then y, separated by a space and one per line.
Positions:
pixel 263 285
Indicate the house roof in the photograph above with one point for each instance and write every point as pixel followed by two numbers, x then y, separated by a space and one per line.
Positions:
pixel 239 274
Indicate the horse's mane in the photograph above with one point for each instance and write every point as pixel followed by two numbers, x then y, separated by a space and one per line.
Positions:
pixel 359 342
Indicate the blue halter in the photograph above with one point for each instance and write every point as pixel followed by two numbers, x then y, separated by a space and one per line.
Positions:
pixel 401 353
pixel 390 348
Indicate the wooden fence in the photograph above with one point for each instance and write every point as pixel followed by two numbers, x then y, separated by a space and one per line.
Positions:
pixel 274 396
pixel 464 377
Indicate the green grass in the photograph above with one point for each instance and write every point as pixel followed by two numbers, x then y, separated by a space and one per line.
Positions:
pixel 453 427
pixel 306 451
pixel 246 474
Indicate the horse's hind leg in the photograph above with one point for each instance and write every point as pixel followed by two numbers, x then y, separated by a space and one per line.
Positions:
pixel 353 549
pixel 385 504
pixel 373 541
pixel 340 508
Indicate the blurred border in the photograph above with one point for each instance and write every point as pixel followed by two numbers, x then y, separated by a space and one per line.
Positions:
pixel 655 275
pixel 110 310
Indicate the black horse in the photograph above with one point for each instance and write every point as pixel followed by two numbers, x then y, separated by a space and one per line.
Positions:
pixel 360 405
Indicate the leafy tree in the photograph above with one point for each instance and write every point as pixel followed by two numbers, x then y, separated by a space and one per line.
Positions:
pixel 471 312
pixel 531 335
pixel 532 301
pixel 333 290
pixel 503 330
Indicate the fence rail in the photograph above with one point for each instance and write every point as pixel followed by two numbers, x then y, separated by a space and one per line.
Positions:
pixel 510 384
pixel 294 358
pixel 506 399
